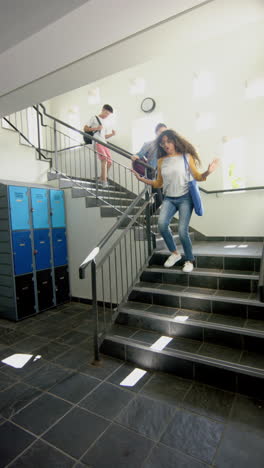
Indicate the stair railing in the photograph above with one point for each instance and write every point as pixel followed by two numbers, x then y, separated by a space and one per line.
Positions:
pixel 114 274
pixel 261 278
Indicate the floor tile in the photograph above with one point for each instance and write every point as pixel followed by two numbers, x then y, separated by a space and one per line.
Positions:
pixel 17 397
pixel 34 363
pixel 47 376
pixel 76 432
pixel 165 457
pixel 184 344
pixel 6 381
pixel 13 441
pixel 194 435
pixel 124 371
pixel 248 413
pixel 167 388
pixel 42 413
pixel 29 344
pixel 107 400
pixel 106 367
pixel 51 350
pixel 209 401
pixel 9 337
pixel 72 338
pixel 240 448
pixel 147 416
pixel 74 387
pixel 74 358
pixel 118 447
pixel 42 455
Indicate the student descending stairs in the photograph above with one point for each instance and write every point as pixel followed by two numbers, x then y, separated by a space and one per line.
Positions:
pixel 207 325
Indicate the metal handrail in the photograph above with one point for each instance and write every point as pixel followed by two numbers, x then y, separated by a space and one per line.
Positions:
pixel 261 278
pixel 91 256
pixel 115 148
pixel 27 140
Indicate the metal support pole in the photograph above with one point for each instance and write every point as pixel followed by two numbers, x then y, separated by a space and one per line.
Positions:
pixel 55 145
pixel 95 314
pixel 39 146
pixel 95 170
pixel 148 230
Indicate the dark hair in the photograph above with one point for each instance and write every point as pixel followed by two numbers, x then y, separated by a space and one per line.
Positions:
pixel 160 125
pixel 181 145
pixel 108 108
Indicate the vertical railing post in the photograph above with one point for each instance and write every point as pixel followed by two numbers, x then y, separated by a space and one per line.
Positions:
pixel 95 170
pixel 55 144
pixel 95 313
pixel 38 126
pixel 148 230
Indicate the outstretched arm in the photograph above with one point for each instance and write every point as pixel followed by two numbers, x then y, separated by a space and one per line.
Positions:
pixel 201 177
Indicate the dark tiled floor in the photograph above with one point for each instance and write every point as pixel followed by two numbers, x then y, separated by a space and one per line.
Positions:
pixel 60 411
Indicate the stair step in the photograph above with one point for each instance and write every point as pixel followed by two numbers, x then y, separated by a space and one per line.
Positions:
pixel 204 277
pixel 220 261
pixel 224 330
pixel 207 300
pixel 224 367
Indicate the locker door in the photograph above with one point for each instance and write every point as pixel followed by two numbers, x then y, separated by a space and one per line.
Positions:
pixel 25 296
pixel 40 209
pixel 45 289
pixel 19 207
pixel 57 208
pixel 62 284
pixel 22 252
pixel 42 249
pixel 59 246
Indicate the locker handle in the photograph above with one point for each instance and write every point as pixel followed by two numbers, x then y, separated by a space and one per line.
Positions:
pixel 25 288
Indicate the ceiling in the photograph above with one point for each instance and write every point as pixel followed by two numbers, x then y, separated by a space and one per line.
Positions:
pixel 20 19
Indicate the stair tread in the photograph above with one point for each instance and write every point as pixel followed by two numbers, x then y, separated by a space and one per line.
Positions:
pixel 206 271
pixel 196 318
pixel 218 249
pixel 202 352
pixel 206 293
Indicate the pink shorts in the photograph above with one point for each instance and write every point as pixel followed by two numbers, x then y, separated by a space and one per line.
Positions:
pixel 103 153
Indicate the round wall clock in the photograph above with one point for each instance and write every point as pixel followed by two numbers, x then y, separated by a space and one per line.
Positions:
pixel 148 104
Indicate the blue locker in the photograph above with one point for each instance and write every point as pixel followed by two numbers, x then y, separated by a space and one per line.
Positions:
pixel 22 252
pixel 40 209
pixel 42 249
pixel 59 246
pixel 57 208
pixel 19 207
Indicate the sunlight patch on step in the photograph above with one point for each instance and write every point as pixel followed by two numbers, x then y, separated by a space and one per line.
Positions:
pixel 181 318
pixel 161 343
pixel 133 378
pixel 243 246
pixel 231 246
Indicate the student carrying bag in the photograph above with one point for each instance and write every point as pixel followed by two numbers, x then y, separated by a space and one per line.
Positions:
pixel 86 138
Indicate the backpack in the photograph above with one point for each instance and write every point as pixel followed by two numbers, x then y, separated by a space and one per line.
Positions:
pixel 86 138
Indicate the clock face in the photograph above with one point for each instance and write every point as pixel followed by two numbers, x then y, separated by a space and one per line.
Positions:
pixel 148 104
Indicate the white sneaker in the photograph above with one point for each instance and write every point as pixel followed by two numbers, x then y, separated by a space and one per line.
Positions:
pixel 188 267
pixel 173 258
pixel 105 183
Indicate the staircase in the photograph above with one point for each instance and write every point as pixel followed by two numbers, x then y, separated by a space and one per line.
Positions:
pixel 211 320
pixel 206 326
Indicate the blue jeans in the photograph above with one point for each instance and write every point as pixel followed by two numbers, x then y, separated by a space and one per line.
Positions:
pixel 169 207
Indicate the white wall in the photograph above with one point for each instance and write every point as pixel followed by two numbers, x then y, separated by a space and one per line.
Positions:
pixel 233 58
pixel 86 30
pixel 18 162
